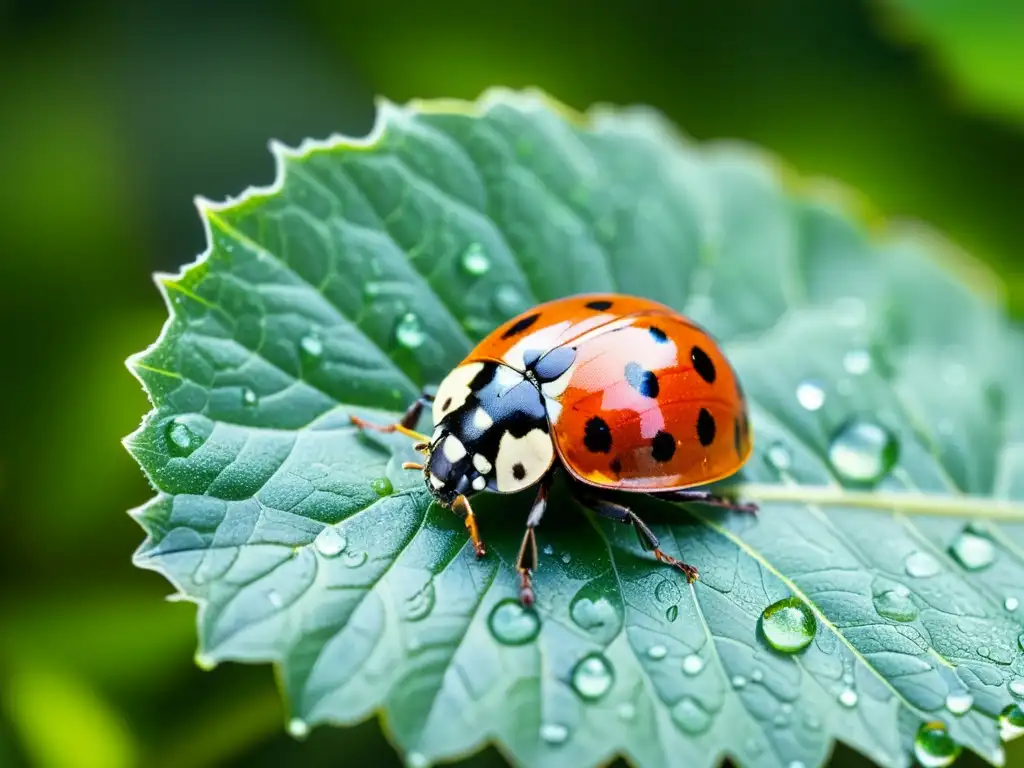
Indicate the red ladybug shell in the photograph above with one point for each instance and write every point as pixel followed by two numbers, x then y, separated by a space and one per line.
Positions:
pixel 650 402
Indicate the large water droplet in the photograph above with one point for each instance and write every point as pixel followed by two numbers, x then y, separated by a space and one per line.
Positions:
pixel 249 398
pixel 972 550
pixel 672 613
pixel 181 439
pixel 693 664
pixel 862 451
pixel 512 624
pixel 779 457
pixel 416 760
pixel 959 703
pixel 848 698
pixel 409 332
pixel 934 747
pixel 553 733
pixel 591 610
pixel 896 604
pixel 921 565
pixel 330 542
pixel 667 591
pixel 789 625
pixel 382 486
pixel 1011 604
pixel 1011 722
pixel 810 394
pixel 592 677
pixel 657 652
pixel 1016 688
pixel 419 606
pixel 857 362
pixel 474 261
pixel 690 716
pixel 298 728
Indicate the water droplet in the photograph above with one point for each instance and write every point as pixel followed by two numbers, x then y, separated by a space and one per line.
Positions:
pixel 274 598
pixel 409 332
pixel 298 728
pixel 356 559
pixel 921 565
pixel 509 300
pixel 973 551
pixel 810 394
pixel 416 760
pixel 934 747
pixel 896 604
pixel 311 348
pixel 667 591
pixel 1011 604
pixel 512 624
pixel 592 677
pixel 779 456
pixel 474 261
pixel 862 451
pixel 249 398
pixel 693 664
pixel 657 652
pixel 549 549
pixel 1011 722
pixel 813 723
pixel 757 676
pixel 789 625
pixel 626 711
pixel 1016 688
pixel 330 542
pixel 739 681
pixel 205 662
pixel 959 703
pixel 181 439
pixel 796 764
pixel 382 486
pixel 591 610
pixel 848 697
pixel 553 733
pixel 857 362
pixel 566 558
pixel 419 606
pixel 690 716
pixel 672 613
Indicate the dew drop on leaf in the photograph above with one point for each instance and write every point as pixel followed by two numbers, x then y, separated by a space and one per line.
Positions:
pixel 474 261
pixel 274 598
pixel 566 558
pixel 1016 688
pixel 657 652
pixel 788 625
pixel 779 457
pixel 181 439
pixel 312 348
pixel 672 613
pixel 356 559
pixel 416 760
pixel 693 664
pixel 848 698
pixel 667 591
pixel 512 624
pixel 409 332
pixel 249 398
pixel 419 606
pixel 554 733
pixel 862 451
pixel 972 550
pixel 508 300
pixel 857 362
pixel 796 764
pixel 1011 722
pixel 959 703
pixel 739 681
pixel 626 711
pixel 592 677
pixel 1011 604
pixel 921 565
pixel 896 604
pixel 205 662
pixel 298 728
pixel 934 747
pixel 810 395
pixel 594 612
pixel 757 676
pixel 690 716
pixel 549 549
pixel 330 542
pixel 382 486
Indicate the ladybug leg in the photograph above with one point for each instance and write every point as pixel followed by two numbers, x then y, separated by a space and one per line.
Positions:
pixel 461 504
pixel 647 538
pixel 405 424
pixel 706 497
pixel 526 563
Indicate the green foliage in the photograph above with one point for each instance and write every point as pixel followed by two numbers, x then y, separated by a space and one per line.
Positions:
pixel 887 425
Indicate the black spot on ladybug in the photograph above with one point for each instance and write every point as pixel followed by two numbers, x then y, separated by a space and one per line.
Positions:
pixel 597 437
pixel 518 471
pixel 702 365
pixel 600 306
pixel 615 466
pixel 705 427
pixel 659 335
pixel 643 381
pixel 520 325
pixel 663 447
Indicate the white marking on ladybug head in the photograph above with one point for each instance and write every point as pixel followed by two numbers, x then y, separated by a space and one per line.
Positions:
pixel 522 461
pixel 453 449
pixel 481 419
pixel 483 466
pixel 454 390
pixel 436 481
pixel 479 483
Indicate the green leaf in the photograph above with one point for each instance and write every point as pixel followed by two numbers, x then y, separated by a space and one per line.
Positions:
pixel 370 268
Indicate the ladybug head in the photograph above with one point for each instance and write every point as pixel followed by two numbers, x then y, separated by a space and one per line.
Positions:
pixel 449 468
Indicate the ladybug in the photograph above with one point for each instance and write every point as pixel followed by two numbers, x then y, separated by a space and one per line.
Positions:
pixel 623 393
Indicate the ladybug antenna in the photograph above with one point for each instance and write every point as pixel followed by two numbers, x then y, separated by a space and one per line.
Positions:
pixel 412 465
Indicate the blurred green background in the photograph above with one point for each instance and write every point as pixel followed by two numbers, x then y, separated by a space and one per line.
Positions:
pixel 113 115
